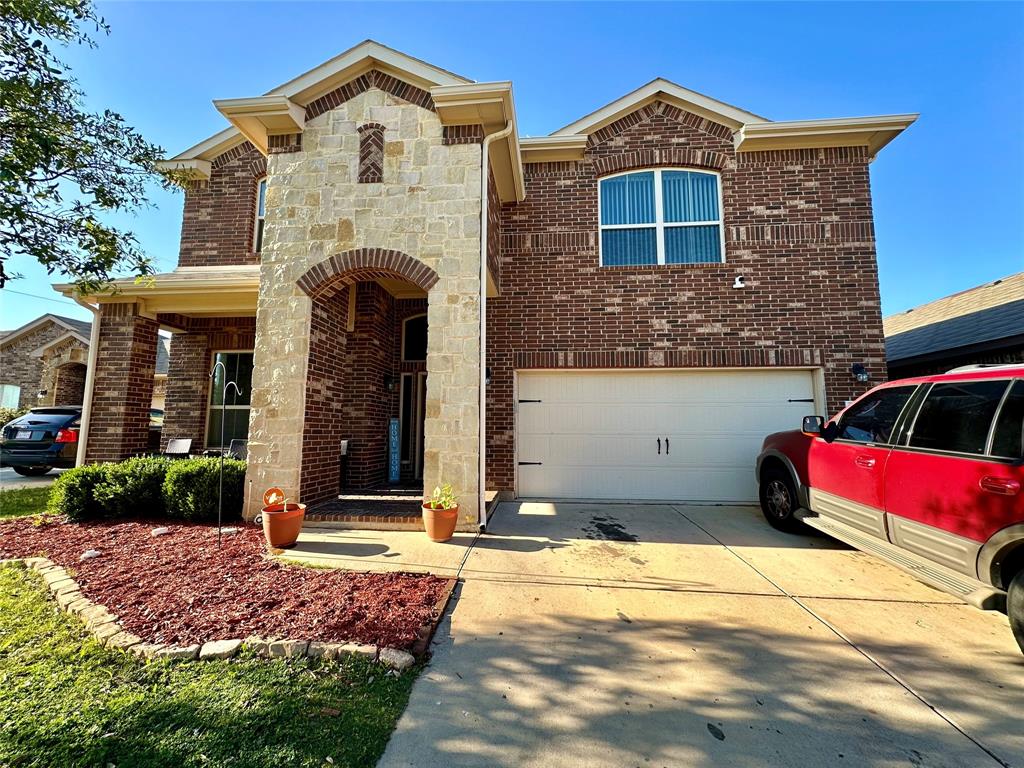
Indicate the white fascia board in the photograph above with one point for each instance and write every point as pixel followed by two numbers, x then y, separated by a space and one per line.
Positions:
pixel 553 148
pixel 196 168
pixel 69 335
pixel 17 333
pixel 873 132
pixel 732 116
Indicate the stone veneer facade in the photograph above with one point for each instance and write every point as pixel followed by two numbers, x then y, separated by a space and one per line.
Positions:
pixel 427 209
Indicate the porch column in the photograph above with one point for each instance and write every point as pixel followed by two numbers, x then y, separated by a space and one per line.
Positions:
pixel 188 386
pixel 125 362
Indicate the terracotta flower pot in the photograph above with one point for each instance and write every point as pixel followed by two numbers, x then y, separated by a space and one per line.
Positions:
pixel 281 525
pixel 440 523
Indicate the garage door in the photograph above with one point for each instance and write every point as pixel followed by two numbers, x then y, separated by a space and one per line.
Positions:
pixel 686 435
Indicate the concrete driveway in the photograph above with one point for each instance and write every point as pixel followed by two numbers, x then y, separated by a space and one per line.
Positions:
pixel 663 635
pixel 10 480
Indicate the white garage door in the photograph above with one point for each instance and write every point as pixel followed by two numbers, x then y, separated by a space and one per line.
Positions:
pixel 685 435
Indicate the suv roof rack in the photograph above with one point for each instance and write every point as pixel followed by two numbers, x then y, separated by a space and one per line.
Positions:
pixel 984 366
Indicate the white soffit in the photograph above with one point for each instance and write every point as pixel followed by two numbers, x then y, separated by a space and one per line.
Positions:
pixel 872 132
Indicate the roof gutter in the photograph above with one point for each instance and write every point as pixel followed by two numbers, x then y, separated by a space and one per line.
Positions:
pixel 90 380
pixel 482 438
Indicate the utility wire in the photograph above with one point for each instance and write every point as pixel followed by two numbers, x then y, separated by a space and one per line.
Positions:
pixel 37 296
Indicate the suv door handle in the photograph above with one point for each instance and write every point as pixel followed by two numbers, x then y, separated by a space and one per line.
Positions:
pixel 864 461
pixel 1001 485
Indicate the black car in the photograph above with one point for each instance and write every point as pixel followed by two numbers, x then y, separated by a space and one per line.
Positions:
pixel 40 440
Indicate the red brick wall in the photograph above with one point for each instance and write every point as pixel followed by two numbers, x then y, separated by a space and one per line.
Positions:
pixel 123 388
pixel 346 393
pixel 188 377
pixel 493 228
pixel 798 228
pixel 70 386
pixel 324 424
pixel 219 219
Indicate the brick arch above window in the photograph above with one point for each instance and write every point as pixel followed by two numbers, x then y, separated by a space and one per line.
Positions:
pixel 655 158
pixel 331 275
pixel 371 153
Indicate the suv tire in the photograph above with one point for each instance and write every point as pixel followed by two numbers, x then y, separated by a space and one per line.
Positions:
pixel 31 471
pixel 1015 607
pixel 779 501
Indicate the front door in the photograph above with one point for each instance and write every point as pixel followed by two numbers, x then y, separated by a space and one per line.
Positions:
pixel 846 475
pixel 413 410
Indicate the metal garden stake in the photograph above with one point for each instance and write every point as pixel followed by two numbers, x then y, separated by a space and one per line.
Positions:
pixel 223 420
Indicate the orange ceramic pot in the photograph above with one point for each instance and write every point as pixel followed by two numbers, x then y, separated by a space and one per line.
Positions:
pixel 440 523
pixel 282 523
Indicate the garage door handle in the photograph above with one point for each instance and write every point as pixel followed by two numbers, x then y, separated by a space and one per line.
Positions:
pixel 1001 485
pixel 864 461
pixel 666 446
pixel 659 446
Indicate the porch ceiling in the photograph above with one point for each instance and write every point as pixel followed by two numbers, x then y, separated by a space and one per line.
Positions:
pixel 199 291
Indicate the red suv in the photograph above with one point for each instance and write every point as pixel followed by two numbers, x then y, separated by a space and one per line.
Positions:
pixel 926 473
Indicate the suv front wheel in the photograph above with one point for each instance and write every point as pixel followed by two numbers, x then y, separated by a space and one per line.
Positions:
pixel 779 500
pixel 1015 607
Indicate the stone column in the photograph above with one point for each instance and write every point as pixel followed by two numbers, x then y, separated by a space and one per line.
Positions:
pixel 123 388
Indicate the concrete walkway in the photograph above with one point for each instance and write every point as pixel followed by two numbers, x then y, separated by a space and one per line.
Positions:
pixel 11 480
pixel 661 635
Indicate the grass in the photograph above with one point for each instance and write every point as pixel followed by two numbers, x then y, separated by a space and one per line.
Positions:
pixel 24 501
pixel 65 700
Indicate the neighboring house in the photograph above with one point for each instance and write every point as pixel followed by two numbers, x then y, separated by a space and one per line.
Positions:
pixel 655 287
pixel 980 325
pixel 44 362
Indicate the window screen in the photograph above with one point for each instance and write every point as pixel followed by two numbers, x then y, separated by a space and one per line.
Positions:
pixel 957 416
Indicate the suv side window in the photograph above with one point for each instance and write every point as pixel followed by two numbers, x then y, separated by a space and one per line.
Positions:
pixel 957 416
pixel 872 419
pixel 1008 439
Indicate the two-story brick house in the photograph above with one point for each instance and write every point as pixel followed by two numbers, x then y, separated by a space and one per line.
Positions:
pixel 653 288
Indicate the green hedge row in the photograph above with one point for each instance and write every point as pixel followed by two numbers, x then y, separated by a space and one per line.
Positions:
pixel 184 489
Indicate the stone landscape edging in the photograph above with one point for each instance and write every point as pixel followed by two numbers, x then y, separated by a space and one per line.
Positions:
pixel 104 627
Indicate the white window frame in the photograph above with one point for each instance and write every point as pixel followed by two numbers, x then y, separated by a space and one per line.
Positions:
pixel 209 392
pixel 659 225
pixel 261 181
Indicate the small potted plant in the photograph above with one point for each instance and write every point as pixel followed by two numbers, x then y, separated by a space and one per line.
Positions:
pixel 441 513
pixel 282 520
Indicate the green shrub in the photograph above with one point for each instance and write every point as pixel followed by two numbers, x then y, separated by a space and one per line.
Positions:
pixel 7 415
pixel 133 488
pixel 191 486
pixel 74 493
pixel 149 487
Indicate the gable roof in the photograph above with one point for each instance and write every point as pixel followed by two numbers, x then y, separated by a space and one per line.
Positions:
pixel 987 326
pixel 311 85
pixel 79 327
pixel 992 294
pixel 669 92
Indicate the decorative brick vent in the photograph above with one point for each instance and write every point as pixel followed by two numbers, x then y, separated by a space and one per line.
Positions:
pixel 371 153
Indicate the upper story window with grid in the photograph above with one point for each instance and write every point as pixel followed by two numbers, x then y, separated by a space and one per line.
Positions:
pixel 661 216
pixel 261 214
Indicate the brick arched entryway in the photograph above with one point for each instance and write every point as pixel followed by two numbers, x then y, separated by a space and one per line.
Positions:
pixel 356 373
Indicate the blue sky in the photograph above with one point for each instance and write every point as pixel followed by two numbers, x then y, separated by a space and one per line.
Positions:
pixel 948 193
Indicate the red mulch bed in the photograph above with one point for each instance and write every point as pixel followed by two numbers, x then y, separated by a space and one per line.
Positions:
pixel 181 589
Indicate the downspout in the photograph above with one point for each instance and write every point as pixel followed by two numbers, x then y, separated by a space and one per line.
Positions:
pixel 90 380
pixel 482 438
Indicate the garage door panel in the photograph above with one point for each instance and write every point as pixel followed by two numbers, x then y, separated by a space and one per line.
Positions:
pixel 595 434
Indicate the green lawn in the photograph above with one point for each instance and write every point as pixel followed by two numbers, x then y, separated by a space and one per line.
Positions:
pixel 24 501
pixel 65 700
